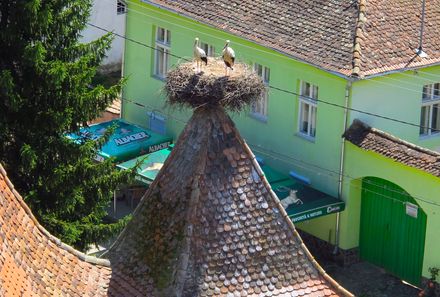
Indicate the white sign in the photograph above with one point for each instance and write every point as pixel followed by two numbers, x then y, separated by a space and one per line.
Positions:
pixel 412 210
pixel 158 147
pixel 131 138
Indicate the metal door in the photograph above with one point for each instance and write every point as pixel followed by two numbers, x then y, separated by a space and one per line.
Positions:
pixel 392 230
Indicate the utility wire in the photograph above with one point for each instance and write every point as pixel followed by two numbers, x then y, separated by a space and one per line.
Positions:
pixel 166 16
pixel 301 163
pixel 280 89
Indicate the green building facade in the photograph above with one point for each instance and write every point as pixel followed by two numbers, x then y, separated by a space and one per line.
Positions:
pixel 298 128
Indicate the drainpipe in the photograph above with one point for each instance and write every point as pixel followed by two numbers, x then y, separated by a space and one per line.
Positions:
pixel 341 165
pixel 124 31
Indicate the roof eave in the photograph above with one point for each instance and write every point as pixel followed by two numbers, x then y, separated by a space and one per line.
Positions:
pixel 333 72
pixel 400 70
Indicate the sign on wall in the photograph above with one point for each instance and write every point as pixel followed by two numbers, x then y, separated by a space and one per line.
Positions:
pixel 412 210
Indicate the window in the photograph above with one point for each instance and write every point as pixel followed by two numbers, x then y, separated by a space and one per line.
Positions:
pixel 259 107
pixel 157 122
pixel 430 112
pixel 120 7
pixel 163 42
pixel 209 49
pixel 307 109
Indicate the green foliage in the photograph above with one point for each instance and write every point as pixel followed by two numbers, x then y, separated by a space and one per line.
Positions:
pixel 45 92
pixel 434 271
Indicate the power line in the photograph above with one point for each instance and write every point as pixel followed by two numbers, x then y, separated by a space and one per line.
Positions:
pixel 301 163
pixel 280 89
pixel 241 44
pixel 417 91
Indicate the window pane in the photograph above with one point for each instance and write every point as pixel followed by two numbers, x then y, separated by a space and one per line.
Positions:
pixel 424 120
pixel 160 34
pixel 304 125
pixel 258 69
pixel 266 75
pixel 435 122
pixel 211 51
pixel 168 37
pixel 314 94
pixel 427 92
pixel 437 89
pixel 165 61
pixel 159 61
pixel 307 89
pixel 313 121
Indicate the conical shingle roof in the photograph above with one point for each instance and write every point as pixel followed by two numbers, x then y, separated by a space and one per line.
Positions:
pixel 210 224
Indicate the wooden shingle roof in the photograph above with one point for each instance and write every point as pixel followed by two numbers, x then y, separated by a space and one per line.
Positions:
pixel 371 139
pixel 210 225
pixel 348 37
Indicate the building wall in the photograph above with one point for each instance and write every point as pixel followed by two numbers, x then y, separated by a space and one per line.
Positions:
pixel 397 96
pixel 418 184
pixel 104 14
pixel 277 139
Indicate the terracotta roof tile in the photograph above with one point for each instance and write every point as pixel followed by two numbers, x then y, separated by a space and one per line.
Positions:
pixel 34 263
pixel 394 148
pixel 211 225
pixel 350 37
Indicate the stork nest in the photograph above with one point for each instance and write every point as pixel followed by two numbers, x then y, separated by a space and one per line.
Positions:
pixel 185 87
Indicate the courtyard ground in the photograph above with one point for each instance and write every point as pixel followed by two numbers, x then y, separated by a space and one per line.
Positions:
pixel 366 280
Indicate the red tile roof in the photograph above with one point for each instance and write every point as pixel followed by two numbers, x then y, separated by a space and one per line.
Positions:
pixel 394 148
pixel 210 225
pixel 35 263
pixel 349 37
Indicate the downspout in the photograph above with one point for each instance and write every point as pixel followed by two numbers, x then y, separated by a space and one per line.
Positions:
pixel 123 58
pixel 341 165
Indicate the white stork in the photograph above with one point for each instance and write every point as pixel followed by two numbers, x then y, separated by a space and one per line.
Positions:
pixel 199 55
pixel 228 56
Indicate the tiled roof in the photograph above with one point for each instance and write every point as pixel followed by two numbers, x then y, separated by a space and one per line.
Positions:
pixel 210 225
pixel 391 34
pixel 350 37
pixel 394 148
pixel 34 263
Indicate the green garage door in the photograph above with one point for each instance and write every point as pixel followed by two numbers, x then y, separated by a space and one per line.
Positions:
pixel 392 231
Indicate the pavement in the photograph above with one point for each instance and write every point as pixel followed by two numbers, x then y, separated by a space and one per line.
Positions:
pixel 367 280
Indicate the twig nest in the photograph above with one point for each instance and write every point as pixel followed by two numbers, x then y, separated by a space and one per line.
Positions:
pixel 185 87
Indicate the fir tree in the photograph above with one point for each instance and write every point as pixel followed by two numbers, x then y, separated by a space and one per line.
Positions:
pixel 46 92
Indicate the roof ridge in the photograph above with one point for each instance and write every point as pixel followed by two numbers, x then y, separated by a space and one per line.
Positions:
pixel 290 224
pixel 397 140
pixel 80 255
pixel 359 38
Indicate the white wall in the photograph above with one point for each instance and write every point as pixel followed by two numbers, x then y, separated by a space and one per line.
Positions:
pixel 104 14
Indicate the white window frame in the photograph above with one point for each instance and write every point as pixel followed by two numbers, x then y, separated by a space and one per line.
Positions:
pixel 430 101
pixel 209 49
pixel 259 108
pixel 308 97
pixel 161 56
